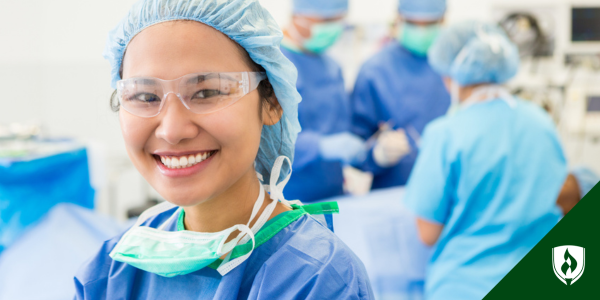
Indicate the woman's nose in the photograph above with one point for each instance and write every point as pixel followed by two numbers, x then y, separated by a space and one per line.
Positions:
pixel 176 122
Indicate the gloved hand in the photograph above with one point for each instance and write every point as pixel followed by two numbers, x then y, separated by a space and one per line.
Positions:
pixel 344 147
pixel 390 148
pixel 357 182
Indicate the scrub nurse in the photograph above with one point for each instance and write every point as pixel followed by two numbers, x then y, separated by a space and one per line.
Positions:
pixel 208 109
pixel 485 184
pixel 325 146
pixel 397 93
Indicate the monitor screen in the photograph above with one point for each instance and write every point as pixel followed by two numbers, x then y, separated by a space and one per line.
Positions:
pixel 585 24
pixel 593 103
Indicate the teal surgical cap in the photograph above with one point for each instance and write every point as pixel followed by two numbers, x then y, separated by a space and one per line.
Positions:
pixel 423 10
pixel 251 26
pixel 320 8
pixel 474 52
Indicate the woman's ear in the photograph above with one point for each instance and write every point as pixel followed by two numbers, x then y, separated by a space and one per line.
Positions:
pixel 271 111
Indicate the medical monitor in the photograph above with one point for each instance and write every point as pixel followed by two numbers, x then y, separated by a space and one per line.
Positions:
pixel 585 24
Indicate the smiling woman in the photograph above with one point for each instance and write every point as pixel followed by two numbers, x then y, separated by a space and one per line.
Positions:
pixel 208 109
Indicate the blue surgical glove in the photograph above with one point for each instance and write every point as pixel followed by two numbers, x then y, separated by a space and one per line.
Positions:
pixel 345 147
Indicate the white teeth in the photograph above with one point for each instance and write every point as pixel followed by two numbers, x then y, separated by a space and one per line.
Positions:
pixel 175 162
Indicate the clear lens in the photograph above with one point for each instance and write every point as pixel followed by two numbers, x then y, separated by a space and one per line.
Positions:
pixel 202 93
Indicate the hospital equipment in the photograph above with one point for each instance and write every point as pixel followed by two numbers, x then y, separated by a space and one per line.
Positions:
pixel 201 93
pixel 41 177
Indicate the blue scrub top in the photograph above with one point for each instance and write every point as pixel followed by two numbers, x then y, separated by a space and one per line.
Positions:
pixel 491 174
pixel 398 86
pixel 305 260
pixel 324 110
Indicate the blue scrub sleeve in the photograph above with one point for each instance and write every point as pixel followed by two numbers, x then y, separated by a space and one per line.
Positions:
pixel 364 113
pixel 429 188
pixel 307 149
pixel 365 121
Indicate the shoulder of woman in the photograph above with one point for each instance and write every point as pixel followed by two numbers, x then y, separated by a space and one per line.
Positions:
pixel 313 256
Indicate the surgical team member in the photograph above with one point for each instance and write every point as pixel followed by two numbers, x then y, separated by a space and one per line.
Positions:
pixel 485 184
pixel 397 93
pixel 208 109
pixel 325 144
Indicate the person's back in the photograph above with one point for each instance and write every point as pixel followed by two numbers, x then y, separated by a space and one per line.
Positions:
pixel 504 170
pixel 485 184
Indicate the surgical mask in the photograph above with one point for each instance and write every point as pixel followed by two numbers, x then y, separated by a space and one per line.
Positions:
pixel 418 39
pixel 172 253
pixel 322 35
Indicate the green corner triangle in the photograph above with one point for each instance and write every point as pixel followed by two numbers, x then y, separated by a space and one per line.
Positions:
pixel 536 277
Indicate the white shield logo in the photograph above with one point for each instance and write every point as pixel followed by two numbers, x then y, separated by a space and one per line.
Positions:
pixel 568 263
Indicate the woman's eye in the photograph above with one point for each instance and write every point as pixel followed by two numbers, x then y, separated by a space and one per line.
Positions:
pixel 203 94
pixel 145 97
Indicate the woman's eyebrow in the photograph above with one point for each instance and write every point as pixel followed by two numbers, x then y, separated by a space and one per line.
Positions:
pixel 203 77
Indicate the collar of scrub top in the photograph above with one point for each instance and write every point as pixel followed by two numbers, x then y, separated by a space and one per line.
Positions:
pixel 487 93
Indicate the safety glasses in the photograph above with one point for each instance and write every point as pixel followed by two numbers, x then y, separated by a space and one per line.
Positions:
pixel 201 93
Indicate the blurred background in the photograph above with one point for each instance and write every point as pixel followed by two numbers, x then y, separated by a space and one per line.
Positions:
pixel 55 96
pixel 53 75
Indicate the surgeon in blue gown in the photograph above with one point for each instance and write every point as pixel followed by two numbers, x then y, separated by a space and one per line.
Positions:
pixel 397 93
pixel 207 105
pixel 486 182
pixel 325 145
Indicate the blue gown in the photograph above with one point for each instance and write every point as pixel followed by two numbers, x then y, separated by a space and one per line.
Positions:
pixel 324 110
pixel 397 86
pixel 491 174
pixel 304 260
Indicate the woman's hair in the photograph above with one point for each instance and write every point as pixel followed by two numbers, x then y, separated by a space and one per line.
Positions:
pixel 265 89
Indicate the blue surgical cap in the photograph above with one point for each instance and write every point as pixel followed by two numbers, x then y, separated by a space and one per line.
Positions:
pixel 423 10
pixel 586 179
pixel 320 8
pixel 251 26
pixel 474 52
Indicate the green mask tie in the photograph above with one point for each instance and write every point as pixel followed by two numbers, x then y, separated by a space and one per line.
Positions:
pixel 418 39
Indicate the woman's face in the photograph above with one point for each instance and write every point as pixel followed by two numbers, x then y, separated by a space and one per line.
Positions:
pixel 232 135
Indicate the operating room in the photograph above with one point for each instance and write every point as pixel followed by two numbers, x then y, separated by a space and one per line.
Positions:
pixel 388 162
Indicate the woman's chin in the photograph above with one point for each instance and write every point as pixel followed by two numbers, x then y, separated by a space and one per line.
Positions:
pixel 183 199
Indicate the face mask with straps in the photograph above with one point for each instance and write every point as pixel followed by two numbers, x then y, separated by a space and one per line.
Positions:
pixel 172 253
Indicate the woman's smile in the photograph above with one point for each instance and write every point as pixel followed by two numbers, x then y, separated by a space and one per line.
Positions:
pixel 183 164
